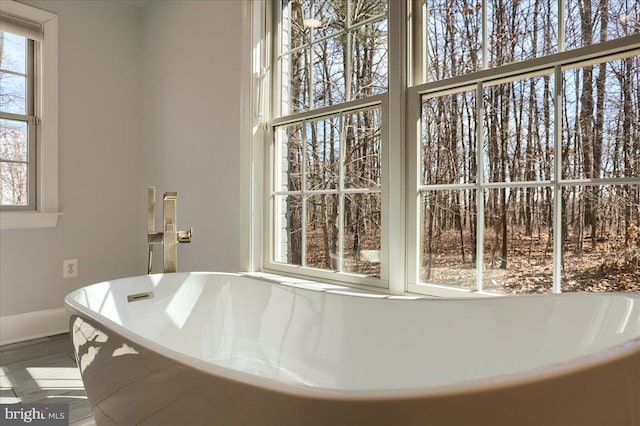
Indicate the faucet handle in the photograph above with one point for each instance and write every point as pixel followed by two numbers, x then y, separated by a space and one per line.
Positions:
pixel 185 236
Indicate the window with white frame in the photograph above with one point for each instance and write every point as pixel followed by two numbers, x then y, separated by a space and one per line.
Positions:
pixel 521 130
pixel 28 116
pixel 17 122
pixel 327 185
pixel 526 173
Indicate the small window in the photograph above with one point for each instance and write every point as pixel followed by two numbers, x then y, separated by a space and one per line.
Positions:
pixel 17 122
pixel 28 117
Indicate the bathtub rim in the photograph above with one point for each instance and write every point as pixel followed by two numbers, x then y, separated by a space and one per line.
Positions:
pixel 616 353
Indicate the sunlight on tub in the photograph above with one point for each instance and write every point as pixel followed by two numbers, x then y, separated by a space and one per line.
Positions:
pixel 625 321
pixel 604 317
pixel 184 300
pixel 155 279
pixel 85 335
pixel 124 350
pixel 100 299
pixel 88 357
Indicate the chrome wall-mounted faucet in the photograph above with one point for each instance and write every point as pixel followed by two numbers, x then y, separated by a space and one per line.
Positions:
pixel 170 236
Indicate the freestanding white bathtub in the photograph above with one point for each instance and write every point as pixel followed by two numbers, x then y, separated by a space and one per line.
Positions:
pixel 226 349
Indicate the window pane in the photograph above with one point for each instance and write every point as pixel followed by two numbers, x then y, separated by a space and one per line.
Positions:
pixel 14 178
pixel 329 17
pixel 369 60
pixel 449 138
pixel 601 227
pixel 601 128
pixel 14 53
pixel 454 38
pixel 448 244
pixel 590 22
pixel 521 30
pixel 295 81
pixel 362 242
pixel 295 24
pixel 289 158
pixel 13 93
pixel 328 72
pixel 323 154
pixel 518 240
pixel 363 142
pixel 518 131
pixel 322 231
pixel 288 241
pixel 362 10
pixel 14 142
pixel 340 63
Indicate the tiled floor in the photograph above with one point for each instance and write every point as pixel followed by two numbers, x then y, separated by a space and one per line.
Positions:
pixel 44 371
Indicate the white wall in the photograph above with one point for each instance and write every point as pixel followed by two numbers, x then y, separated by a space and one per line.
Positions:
pixel 98 162
pixel 191 56
pixel 148 96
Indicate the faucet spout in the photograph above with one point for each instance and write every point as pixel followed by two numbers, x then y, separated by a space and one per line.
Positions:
pixel 185 236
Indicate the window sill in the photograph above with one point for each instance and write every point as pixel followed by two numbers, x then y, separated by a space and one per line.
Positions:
pixel 28 220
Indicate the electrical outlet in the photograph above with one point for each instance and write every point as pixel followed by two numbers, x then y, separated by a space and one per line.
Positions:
pixel 69 268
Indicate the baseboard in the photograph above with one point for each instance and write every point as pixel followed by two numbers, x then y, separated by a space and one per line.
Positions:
pixel 33 325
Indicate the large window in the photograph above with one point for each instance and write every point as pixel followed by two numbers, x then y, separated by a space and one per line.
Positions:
pixel 519 163
pixel 28 117
pixel 327 185
pixel 526 177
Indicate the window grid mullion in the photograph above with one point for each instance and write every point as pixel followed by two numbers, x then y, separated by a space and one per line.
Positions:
pixel 332 191
pixel 17 117
pixel 424 34
pixel 356 104
pixel 341 156
pixel 485 36
pixel 561 26
pixel 303 197
pixel 479 188
pixel 16 73
pixel 310 45
pixel 348 56
pixel 30 74
pixel 309 48
pixel 557 178
pixel 32 190
pixel 3 160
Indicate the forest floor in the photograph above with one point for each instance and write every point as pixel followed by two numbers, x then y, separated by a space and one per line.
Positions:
pixel 608 266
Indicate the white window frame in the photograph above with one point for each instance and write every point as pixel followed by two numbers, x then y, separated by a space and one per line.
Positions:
pixel 46 111
pixel 391 104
